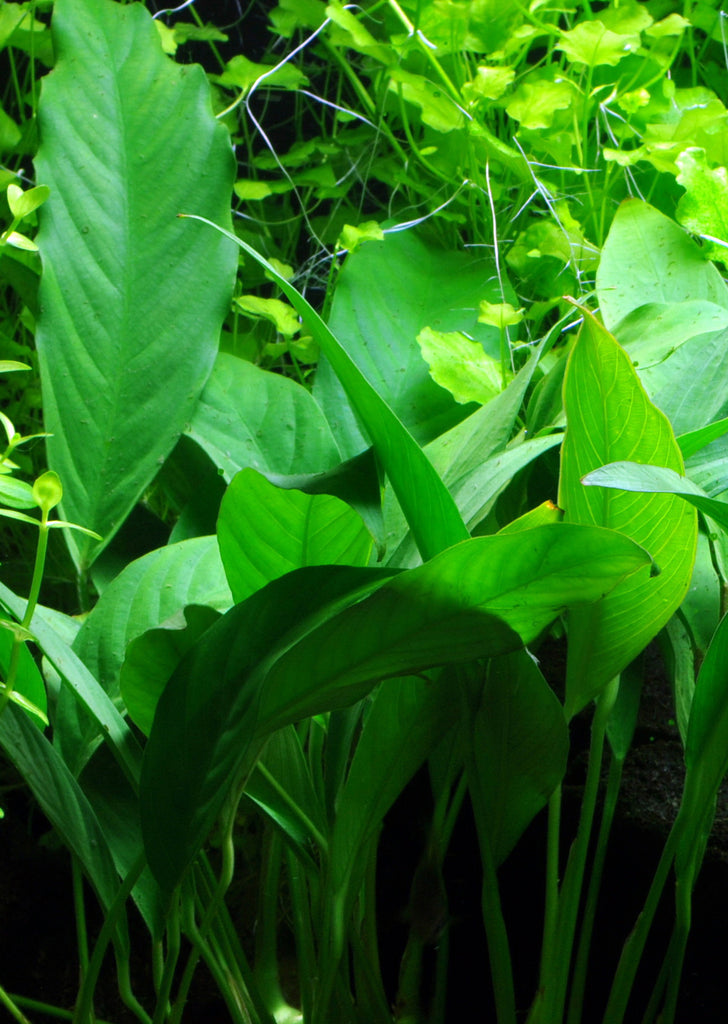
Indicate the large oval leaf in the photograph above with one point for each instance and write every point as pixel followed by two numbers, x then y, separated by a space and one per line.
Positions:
pixel 132 299
pixel 610 419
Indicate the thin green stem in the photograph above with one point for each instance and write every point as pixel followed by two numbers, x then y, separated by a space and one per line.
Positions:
pixel 555 980
pixel 38 567
pixel 551 907
pixel 164 988
pixel 13 1009
pixel 47 1009
pixel 83 1013
pixel 80 913
pixel 635 944
pixel 578 985
pixel 214 905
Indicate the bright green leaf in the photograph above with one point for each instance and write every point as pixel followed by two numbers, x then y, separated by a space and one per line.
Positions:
pixel 242 73
pixel 461 366
pixel 132 298
pixel 265 532
pixel 22 204
pixel 535 102
pixel 609 419
pixel 280 314
pixel 438 110
pixel 352 236
pixel 593 44
pixel 703 210
pixel 631 476
pixel 47 491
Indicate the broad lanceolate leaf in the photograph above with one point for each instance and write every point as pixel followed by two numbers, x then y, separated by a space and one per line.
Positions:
pixel 132 299
pixel 314 641
pixel 265 532
pixel 630 476
pixel 610 418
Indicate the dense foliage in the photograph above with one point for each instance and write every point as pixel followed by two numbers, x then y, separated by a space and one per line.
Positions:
pixel 348 425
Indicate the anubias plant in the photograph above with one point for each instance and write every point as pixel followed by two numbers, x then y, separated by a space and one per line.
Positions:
pixel 361 576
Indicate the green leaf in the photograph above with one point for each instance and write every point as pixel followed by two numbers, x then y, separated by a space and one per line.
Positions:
pixel 593 44
pixel 426 502
pixel 63 803
pixel 610 418
pixel 265 532
pixel 648 258
pixel 12 365
pixel 651 333
pixel 16 493
pixel 147 593
pixel 252 417
pixel 409 284
pixel 703 210
pixel 697 440
pixel 47 491
pixel 28 680
pixel 22 204
pixel 85 688
pixel 438 110
pixel 520 743
pixel 314 641
pixel 132 299
pixel 150 591
pixel 242 73
pixel 536 101
pixel 152 658
pixel 184 786
pixel 489 83
pixel 356 482
pixel 630 476
pixel 280 314
pixel 461 366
